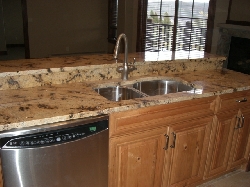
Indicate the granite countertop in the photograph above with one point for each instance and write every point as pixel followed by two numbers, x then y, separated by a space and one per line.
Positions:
pixel 36 92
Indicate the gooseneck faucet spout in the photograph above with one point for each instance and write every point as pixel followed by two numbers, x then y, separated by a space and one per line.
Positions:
pixel 124 70
pixel 124 37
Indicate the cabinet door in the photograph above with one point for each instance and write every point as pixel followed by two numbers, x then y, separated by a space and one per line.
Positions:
pixel 186 154
pixel 137 160
pixel 240 145
pixel 220 144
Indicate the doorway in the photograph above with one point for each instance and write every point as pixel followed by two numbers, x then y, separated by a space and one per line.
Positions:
pixel 16 29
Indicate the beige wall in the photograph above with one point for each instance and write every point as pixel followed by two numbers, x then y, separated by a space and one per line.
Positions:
pixel 73 26
pixel 2 33
pixel 67 27
pixel 240 10
pixel 13 20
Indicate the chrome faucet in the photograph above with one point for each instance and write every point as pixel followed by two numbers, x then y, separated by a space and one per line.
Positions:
pixel 125 69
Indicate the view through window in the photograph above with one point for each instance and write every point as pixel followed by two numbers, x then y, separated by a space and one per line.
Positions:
pixel 176 25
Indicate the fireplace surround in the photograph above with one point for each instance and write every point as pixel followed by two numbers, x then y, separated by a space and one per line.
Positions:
pixel 234 43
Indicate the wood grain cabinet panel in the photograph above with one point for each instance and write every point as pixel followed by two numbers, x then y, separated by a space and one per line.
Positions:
pixel 186 155
pixel 164 145
pixel 229 144
pixel 136 160
pixel 234 101
pixel 140 119
pixel 241 140
pixel 220 144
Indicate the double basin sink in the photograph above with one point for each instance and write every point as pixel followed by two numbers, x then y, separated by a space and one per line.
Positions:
pixel 145 89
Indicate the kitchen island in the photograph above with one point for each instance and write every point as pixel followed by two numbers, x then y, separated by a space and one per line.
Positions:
pixel 43 91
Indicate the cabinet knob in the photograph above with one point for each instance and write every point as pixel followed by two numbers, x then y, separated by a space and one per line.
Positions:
pixel 241 101
pixel 167 140
pixel 240 121
pixel 173 145
pixel 237 123
pixel 243 121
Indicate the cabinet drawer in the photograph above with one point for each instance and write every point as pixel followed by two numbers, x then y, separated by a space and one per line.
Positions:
pixel 159 116
pixel 234 101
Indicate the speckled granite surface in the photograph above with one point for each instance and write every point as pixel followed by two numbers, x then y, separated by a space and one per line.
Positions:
pixel 30 73
pixel 37 95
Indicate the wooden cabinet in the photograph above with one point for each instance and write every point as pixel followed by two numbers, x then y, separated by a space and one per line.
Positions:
pixel 157 146
pixel 229 144
pixel 179 144
pixel 186 155
pixel 220 144
pixel 240 145
pixel 136 160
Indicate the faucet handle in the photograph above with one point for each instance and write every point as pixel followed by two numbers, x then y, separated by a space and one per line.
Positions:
pixel 132 67
pixel 133 61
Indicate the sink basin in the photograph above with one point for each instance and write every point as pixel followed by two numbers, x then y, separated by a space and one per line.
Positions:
pixel 145 89
pixel 161 87
pixel 118 93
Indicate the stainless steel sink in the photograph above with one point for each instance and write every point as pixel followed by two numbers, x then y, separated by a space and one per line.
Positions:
pixel 144 89
pixel 161 87
pixel 118 93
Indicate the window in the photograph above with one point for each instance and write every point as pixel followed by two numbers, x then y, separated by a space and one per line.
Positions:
pixel 175 25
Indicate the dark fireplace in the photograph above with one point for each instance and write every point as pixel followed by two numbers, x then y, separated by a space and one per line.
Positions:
pixel 234 43
pixel 239 55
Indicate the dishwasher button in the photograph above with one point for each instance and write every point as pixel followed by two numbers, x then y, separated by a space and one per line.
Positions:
pixel 42 141
pixel 46 140
pixel 81 134
pixel 58 139
pixel 64 137
pixel 51 140
pixel 69 136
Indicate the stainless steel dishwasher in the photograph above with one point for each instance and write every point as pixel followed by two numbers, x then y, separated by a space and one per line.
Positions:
pixel 67 154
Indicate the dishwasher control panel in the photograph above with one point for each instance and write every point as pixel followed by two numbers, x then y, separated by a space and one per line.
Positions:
pixel 58 136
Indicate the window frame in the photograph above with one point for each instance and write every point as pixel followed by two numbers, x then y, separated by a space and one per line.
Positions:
pixel 141 30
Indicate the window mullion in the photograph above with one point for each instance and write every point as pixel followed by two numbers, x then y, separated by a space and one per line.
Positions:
pixel 190 35
pixel 175 24
pixel 159 30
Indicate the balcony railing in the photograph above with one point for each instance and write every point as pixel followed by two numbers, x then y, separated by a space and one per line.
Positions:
pixel 159 37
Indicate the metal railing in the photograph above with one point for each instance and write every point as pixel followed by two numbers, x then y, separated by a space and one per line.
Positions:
pixel 159 37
